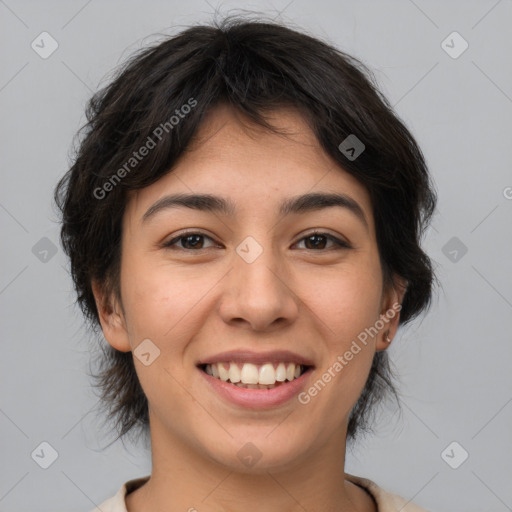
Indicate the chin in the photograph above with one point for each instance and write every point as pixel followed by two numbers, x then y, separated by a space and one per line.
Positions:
pixel 258 450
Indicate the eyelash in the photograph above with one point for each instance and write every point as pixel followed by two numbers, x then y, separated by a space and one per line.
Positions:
pixel 340 243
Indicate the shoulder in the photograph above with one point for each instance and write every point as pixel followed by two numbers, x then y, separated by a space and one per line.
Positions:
pixel 117 502
pixel 386 501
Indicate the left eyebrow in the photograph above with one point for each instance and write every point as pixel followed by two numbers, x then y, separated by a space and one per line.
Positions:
pixel 294 205
pixel 318 201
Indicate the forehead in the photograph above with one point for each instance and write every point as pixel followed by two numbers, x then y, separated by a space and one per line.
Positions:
pixel 256 168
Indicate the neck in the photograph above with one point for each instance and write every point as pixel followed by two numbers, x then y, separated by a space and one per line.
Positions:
pixel 183 479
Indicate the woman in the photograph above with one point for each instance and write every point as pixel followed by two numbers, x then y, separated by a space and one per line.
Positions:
pixel 243 221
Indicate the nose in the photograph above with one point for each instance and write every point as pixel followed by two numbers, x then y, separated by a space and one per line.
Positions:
pixel 259 294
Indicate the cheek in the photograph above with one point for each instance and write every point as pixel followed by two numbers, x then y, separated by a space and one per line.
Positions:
pixel 348 305
pixel 160 302
pixel 347 301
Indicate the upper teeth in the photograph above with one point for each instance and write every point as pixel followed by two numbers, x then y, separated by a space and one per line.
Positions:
pixel 249 373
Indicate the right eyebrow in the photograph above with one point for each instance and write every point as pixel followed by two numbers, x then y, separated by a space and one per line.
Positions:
pixel 202 202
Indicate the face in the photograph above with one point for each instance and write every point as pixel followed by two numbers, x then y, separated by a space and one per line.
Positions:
pixel 276 288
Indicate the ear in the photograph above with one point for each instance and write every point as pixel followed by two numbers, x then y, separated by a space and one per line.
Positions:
pixel 390 312
pixel 112 319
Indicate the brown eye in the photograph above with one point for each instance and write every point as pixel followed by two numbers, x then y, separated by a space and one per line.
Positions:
pixel 188 241
pixel 318 241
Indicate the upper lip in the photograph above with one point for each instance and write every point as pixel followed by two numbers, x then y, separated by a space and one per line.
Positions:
pixel 248 356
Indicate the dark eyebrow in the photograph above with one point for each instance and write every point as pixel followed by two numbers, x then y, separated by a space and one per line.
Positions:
pixel 295 205
pixel 318 201
pixel 201 202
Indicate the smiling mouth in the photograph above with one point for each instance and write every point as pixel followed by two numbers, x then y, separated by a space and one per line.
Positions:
pixel 254 376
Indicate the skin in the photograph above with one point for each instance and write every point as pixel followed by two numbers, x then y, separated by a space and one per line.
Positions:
pixel 193 303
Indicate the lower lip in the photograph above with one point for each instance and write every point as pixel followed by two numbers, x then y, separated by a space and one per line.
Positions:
pixel 258 398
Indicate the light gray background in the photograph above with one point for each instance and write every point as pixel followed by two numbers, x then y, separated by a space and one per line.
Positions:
pixel 455 363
